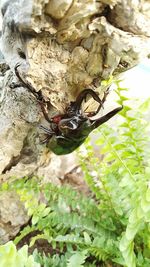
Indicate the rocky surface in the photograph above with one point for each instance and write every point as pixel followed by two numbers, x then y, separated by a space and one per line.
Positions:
pixel 12 216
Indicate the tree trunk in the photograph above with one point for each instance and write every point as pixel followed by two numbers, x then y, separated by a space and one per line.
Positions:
pixel 61 47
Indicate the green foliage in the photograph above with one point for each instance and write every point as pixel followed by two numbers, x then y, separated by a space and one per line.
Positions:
pixel 77 259
pixel 9 256
pixel 111 226
pixel 71 222
pixel 121 180
pixel 51 260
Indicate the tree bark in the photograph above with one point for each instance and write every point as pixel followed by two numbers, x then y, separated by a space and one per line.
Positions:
pixel 62 47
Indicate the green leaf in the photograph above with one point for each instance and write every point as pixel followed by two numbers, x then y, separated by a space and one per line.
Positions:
pixel 148 194
pixel 46 211
pixel 77 259
pixel 145 205
pixel 132 229
pixel 35 219
pixel 9 256
pixel 87 238
pixel 123 244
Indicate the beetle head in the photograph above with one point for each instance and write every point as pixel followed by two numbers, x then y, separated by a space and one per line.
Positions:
pixel 76 120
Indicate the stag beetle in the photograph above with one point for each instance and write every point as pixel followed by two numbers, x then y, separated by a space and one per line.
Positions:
pixel 68 131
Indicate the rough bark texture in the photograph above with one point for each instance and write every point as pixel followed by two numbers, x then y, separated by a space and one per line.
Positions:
pixel 63 47
pixel 12 216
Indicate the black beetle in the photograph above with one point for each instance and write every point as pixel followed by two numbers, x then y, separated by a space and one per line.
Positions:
pixel 69 130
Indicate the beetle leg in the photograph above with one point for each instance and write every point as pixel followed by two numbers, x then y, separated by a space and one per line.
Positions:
pixel 47 130
pixel 38 95
pixel 45 140
pixel 103 119
pixel 45 113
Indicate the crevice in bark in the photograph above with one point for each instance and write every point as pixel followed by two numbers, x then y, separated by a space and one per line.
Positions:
pixel 13 162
